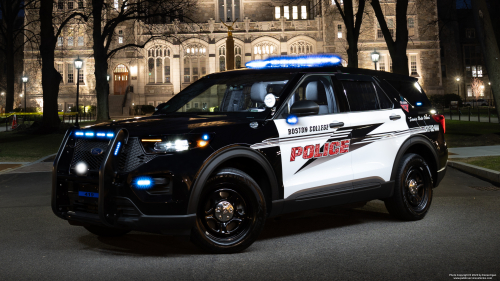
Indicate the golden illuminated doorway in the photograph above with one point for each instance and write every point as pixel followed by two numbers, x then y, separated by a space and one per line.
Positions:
pixel 120 77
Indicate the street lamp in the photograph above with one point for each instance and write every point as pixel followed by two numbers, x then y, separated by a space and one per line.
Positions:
pixel 25 80
pixel 458 87
pixel 375 57
pixel 78 66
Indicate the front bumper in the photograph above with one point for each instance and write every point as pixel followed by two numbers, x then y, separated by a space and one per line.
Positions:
pixel 110 208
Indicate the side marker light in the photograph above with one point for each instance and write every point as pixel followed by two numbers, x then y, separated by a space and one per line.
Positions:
pixel 117 149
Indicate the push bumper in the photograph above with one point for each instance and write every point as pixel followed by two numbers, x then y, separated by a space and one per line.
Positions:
pixel 106 214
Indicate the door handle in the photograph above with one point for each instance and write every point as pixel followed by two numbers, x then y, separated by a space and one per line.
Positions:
pixel 336 124
pixel 395 117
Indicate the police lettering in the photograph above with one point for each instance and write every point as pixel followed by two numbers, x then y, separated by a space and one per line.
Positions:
pixel 314 151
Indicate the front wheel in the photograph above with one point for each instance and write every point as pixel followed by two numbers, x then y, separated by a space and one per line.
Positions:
pixel 412 191
pixel 231 213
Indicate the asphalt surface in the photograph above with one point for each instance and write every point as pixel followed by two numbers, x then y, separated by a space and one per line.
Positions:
pixel 460 235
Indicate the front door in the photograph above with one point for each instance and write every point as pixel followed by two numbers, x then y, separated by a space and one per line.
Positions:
pixel 120 77
pixel 315 151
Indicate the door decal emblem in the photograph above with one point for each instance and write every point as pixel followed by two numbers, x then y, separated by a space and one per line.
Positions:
pixel 314 151
pixel 96 151
pixel 404 105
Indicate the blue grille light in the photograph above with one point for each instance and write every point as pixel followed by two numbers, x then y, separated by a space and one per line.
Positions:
pixel 110 135
pixel 205 137
pixel 117 149
pixel 89 134
pixel 79 133
pixel 143 183
pixel 101 134
pixel 295 62
pixel 419 103
pixel 292 119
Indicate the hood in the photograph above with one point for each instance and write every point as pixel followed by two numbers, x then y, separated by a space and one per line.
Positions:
pixel 160 125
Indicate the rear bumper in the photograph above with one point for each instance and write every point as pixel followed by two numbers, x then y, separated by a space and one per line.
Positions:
pixel 440 174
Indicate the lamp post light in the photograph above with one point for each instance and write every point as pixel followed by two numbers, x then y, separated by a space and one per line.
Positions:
pixel 25 80
pixel 78 66
pixel 375 57
pixel 458 87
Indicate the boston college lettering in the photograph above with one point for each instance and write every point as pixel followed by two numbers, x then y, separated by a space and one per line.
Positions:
pixel 314 151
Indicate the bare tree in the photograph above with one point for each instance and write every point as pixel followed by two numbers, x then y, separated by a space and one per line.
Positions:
pixel 489 46
pixel 108 17
pixel 477 87
pixel 397 48
pixel 50 29
pixel 13 36
pixel 352 23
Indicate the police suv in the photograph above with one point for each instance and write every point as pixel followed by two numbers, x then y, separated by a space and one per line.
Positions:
pixel 234 148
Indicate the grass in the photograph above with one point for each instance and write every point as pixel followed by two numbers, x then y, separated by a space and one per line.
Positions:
pixel 465 133
pixel 24 147
pixel 489 162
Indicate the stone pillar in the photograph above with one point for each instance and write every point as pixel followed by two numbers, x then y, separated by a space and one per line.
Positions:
pixel 230 52
pixel 176 68
pixel 248 49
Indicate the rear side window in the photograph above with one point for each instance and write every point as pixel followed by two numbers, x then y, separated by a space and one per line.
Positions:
pixel 361 95
pixel 410 92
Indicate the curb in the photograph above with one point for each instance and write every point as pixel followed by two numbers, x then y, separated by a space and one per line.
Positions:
pixel 25 164
pixel 479 172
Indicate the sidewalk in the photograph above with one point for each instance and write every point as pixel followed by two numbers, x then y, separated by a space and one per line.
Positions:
pixel 41 165
pixel 465 117
pixel 476 151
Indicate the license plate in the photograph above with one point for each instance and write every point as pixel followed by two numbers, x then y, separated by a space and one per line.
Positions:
pixel 88 194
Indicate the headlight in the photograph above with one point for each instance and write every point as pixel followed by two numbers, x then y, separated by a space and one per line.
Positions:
pixel 168 144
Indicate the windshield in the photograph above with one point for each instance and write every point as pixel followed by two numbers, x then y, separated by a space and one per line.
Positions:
pixel 242 95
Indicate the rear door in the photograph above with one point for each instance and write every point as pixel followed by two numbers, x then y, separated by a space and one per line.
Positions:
pixel 314 151
pixel 378 130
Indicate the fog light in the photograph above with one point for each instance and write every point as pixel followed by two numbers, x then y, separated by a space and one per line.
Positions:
pixel 144 183
pixel 81 169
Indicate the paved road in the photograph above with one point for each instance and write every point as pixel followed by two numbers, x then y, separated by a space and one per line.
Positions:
pixel 460 235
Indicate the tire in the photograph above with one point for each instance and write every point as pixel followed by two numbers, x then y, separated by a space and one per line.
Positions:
pixel 231 213
pixel 106 231
pixel 412 191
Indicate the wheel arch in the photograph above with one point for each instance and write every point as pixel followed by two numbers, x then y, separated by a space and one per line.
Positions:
pixel 243 158
pixel 422 146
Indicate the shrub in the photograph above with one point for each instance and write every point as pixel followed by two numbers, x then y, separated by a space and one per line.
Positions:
pixel 143 109
pixel 444 100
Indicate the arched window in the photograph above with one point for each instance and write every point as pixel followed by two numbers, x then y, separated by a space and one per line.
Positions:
pixel 222 57
pixel 159 64
pixel 301 48
pixel 195 62
pixel 264 49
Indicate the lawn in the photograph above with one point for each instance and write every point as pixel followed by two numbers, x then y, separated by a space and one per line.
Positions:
pixel 489 162
pixel 465 133
pixel 24 147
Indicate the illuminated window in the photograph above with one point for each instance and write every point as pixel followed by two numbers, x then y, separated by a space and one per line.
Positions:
pixel 60 41
pixel 411 26
pixel 295 12
pixel 70 77
pixel 70 37
pixel 301 48
pixel 229 10
pixel 80 76
pixel 303 12
pixel 277 12
pixel 381 63
pixel 413 65
pixel 265 49
pixel 115 2
pixel 286 12
pixel 479 71
pixel 120 36
pixel 195 62
pixel 339 31
pixel 158 64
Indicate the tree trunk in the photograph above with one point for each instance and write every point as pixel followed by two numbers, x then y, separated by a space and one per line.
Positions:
pixel 101 62
pixel 352 39
pixel 9 61
pixel 397 49
pixel 489 46
pixel 50 77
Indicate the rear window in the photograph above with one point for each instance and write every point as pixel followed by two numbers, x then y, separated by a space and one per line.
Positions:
pixel 410 92
pixel 361 95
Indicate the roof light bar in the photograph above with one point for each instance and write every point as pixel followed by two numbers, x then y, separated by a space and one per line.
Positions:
pixel 90 134
pixel 295 62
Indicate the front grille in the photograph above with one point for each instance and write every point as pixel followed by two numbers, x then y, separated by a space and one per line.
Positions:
pixel 133 156
pixel 83 154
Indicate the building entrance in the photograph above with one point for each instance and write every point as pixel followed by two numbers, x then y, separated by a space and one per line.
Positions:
pixel 120 75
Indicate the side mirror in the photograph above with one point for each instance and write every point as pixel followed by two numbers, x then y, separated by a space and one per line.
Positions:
pixel 304 108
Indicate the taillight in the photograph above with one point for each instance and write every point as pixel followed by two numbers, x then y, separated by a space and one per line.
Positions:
pixel 440 119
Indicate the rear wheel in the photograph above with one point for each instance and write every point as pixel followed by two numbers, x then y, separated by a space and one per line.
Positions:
pixel 231 213
pixel 413 189
pixel 106 231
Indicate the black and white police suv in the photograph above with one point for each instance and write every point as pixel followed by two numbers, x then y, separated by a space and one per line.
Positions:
pixel 237 147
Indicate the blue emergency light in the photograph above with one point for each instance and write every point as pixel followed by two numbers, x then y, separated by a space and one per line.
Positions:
pixel 295 62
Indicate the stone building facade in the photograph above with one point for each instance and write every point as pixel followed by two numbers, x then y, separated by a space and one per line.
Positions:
pixel 187 51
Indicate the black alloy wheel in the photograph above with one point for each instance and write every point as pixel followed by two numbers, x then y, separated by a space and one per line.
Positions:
pixel 413 189
pixel 231 213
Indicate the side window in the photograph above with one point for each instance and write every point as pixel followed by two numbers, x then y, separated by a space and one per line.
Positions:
pixel 385 102
pixel 316 88
pixel 361 95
